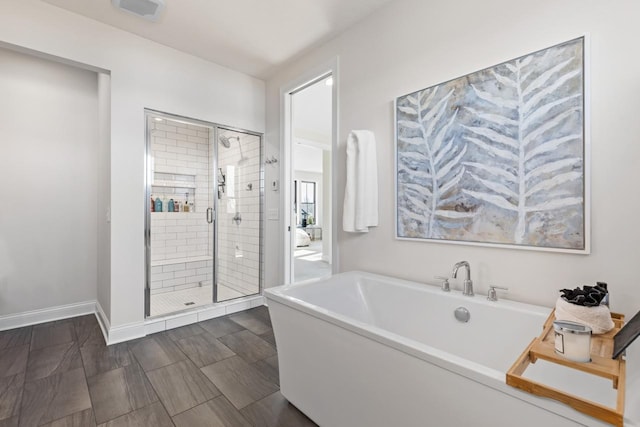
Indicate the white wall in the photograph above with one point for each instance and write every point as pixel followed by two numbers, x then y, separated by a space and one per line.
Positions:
pixel 327 206
pixel 143 74
pixel 48 172
pixel 307 158
pixel 311 111
pixel 104 192
pixel 419 44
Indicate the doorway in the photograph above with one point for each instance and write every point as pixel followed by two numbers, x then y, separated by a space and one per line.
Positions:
pixel 309 151
pixel 204 199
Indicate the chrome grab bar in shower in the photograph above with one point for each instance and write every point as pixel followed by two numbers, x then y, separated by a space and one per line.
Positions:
pixel 210 215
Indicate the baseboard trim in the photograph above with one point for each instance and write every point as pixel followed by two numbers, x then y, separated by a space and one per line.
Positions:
pixel 130 331
pixel 103 321
pixel 33 317
pixel 118 334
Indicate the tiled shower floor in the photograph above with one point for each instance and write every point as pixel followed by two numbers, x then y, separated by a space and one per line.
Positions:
pixel 169 302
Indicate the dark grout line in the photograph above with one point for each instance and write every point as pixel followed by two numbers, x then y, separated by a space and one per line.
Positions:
pixel 30 338
pixel 156 391
pixel 84 370
pixel 188 409
pixel 22 389
pixel 165 366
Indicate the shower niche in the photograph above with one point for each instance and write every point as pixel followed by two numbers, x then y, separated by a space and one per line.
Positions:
pixel 203 219
pixel 176 192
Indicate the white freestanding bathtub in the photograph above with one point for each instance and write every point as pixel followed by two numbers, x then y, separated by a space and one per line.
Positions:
pixel 360 349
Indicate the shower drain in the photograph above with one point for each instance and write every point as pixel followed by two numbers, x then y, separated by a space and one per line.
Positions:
pixel 189 303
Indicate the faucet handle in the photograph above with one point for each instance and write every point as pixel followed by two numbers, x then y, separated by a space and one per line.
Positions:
pixel 493 295
pixel 445 283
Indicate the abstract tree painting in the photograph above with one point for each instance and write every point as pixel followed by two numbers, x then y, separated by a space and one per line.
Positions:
pixel 497 156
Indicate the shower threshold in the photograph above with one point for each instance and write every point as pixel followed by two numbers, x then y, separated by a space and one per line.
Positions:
pixel 170 302
pixel 201 313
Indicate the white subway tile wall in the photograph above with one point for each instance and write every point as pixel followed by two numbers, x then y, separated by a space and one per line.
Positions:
pixel 181 275
pixel 239 239
pixel 181 242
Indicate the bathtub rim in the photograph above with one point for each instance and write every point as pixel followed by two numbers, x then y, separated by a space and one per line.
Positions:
pixel 425 352
pixel 457 365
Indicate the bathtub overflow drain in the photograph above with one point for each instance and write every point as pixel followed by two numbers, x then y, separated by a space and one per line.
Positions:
pixel 462 314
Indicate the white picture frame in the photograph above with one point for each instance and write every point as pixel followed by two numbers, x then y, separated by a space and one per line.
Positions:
pixel 480 157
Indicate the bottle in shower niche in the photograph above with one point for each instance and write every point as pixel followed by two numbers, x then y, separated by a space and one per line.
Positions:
pixel 158 204
pixel 186 202
pixel 176 206
pixel 171 206
pixel 165 204
pixel 153 204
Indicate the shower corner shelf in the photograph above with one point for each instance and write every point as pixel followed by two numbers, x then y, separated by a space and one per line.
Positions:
pixel 601 365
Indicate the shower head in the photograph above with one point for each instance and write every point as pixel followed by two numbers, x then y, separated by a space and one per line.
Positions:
pixel 225 140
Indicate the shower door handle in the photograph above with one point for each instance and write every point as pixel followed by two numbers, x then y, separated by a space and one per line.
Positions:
pixel 210 215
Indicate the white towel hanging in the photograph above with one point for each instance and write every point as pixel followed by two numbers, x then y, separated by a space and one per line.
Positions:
pixel 361 192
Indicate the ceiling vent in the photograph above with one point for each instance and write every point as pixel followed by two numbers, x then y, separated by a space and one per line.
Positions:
pixel 146 9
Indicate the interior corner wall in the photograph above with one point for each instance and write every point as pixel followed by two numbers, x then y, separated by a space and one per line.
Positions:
pixel 327 222
pixel 49 153
pixel 144 74
pixel 104 194
pixel 419 44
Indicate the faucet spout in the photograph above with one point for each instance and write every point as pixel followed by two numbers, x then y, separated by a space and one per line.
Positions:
pixel 464 264
pixel 468 284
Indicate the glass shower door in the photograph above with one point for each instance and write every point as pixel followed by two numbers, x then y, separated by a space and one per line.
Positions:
pixel 239 193
pixel 179 224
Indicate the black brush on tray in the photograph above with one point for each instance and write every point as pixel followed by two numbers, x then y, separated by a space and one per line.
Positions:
pixel 588 296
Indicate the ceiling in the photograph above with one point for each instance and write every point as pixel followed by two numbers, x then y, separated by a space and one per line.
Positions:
pixel 250 36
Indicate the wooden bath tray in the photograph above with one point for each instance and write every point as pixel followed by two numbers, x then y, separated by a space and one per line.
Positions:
pixel 601 365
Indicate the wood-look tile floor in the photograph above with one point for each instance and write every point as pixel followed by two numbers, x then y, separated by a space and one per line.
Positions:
pixel 219 373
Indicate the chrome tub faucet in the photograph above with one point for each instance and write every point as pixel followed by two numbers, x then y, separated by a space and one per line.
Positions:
pixel 467 284
pixel 492 295
pixel 445 283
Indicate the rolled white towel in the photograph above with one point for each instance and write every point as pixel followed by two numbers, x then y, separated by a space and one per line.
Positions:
pixel 361 190
pixel 598 318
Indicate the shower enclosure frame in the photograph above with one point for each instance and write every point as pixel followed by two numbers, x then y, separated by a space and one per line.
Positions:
pixel 148 179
